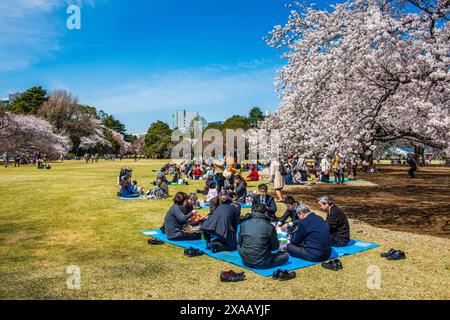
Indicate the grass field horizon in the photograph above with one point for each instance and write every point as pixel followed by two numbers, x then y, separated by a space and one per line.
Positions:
pixel 70 215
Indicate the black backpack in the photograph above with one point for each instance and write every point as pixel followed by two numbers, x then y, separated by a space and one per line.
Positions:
pixel 125 172
pixel 282 170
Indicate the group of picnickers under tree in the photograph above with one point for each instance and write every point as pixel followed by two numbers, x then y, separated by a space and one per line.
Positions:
pixel 19 159
pixel 311 237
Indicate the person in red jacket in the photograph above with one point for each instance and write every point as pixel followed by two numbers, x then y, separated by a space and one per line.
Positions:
pixel 253 175
pixel 196 173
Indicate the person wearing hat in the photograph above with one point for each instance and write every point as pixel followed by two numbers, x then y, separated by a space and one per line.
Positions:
pixel 337 222
pixel 291 206
pixel 311 237
pixel 220 229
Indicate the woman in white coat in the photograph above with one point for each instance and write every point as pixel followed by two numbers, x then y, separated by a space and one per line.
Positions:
pixel 325 170
pixel 277 177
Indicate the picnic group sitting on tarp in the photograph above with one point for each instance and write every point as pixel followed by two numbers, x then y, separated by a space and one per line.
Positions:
pixel 256 240
pixel 129 189
pixel 43 164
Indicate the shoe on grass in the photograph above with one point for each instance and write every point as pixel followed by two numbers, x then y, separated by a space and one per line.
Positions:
pixel 276 274
pixel 286 275
pixel 397 255
pixel 231 276
pixel 386 254
pixel 155 241
pixel 338 263
pixel 330 265
pixel 193 252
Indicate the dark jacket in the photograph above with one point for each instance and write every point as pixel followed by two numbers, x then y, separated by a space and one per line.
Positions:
pixel 256 241
pixel 313 234
pixel 412 164
pixel 187 208
pixel 241 191
pixel 338 224
pixel 174 221
pixel 223 223
pixel 269 202
pixel 289 214
pixel 176 177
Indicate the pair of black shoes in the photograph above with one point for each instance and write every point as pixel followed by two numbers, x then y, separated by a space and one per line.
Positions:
pixel 283 275
pixel 193 252
pixel 334 265
pixel 155 241
pixel 231 276
pixel 393 254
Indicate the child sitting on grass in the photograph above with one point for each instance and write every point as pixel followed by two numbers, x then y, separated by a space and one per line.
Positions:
pixel 137 189
pixel 212 192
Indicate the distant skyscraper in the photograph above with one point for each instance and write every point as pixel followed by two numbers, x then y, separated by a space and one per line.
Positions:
pixel 14 96
pixel 11 98
pixel 182 119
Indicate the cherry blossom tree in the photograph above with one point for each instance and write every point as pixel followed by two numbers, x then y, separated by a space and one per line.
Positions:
pixel 362 75
pixel 137 147
pixel 27 134
pixel 97 137
pixel 125 146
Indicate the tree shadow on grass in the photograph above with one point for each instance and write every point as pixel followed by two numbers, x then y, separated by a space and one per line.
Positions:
pixel 419 205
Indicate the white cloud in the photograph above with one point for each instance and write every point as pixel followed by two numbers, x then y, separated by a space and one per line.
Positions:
pixel 29 31
pixel 198 88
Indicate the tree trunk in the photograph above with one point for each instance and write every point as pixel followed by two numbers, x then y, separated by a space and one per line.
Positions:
pixel 367 160
pixel 419 155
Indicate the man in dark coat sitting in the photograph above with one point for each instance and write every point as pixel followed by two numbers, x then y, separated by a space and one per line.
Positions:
pixel 220 229
pixel 267 200
pixel 311 237
pixel 337 222
pixel 257 239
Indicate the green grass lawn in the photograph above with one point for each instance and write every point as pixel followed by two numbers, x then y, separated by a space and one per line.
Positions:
pixel 70 215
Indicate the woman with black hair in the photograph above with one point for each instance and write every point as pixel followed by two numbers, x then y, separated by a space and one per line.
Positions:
pixel 175 220
pixel 240 189
pixel 176 176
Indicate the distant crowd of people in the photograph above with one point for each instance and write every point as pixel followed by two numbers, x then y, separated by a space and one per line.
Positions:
pixel 18 159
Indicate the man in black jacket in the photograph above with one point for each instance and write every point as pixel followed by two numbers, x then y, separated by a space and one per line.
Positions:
pixel 337 222
pixel 257 239
pixel 220 229
pixel 412 167
pixel 267 200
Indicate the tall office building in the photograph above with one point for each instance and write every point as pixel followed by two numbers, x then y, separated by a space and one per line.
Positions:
pixel 11 98
pixel 182 119
pixel 14 96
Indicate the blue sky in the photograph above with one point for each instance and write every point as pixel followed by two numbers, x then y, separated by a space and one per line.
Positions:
pixel 141 60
